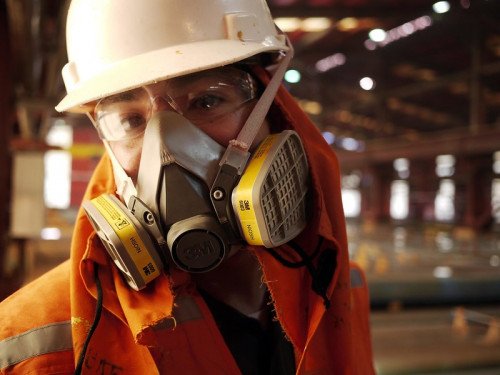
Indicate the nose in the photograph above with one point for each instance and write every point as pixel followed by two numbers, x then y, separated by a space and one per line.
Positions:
pixel 162 104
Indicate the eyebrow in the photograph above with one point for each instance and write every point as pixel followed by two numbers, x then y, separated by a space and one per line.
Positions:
pixel 126 96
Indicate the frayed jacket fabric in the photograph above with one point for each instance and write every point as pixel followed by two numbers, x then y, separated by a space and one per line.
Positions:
pixel 171 319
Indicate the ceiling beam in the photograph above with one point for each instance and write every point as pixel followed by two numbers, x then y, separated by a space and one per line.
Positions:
pixel 457 142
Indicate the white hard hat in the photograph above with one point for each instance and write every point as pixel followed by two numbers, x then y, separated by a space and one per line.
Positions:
pixel 117 45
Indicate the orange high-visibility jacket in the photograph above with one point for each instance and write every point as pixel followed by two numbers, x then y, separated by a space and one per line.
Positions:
pixel 44 325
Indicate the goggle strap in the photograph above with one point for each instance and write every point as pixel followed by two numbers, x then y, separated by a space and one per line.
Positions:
pixel 254 122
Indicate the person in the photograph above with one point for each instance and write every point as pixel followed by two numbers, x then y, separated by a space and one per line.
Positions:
pixel 211 238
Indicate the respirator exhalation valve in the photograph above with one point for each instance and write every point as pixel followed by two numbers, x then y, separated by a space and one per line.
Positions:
pixel 197 244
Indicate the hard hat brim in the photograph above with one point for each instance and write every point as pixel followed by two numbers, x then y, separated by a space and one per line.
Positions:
pixel 159 65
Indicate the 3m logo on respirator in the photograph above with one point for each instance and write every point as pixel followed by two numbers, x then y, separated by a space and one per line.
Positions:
pixel 149 269
pixel 199 250
pixel 245 205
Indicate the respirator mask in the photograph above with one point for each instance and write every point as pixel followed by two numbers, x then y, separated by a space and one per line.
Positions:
pixel 194 199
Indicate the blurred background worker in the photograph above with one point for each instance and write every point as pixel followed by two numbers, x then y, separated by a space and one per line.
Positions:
pixel 210 240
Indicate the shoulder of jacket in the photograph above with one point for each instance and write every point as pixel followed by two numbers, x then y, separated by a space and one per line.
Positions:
pixel 35 326
pixel 43 301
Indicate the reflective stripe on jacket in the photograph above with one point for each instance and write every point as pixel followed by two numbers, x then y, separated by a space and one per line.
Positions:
pixel 326 341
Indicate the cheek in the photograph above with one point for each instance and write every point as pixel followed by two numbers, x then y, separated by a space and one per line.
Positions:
pixel 229 127
pixel 223 130
pixel 128 154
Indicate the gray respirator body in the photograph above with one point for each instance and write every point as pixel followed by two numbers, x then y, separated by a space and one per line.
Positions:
pixel 192 206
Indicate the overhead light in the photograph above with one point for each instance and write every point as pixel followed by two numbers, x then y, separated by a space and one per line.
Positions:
pixel 292 76
pixel 442 272
pixel 288 24
pixel 313 107
pixel 441 7
pixel 496 162
pixel 396 33
pixel 330 62
pixel 315 24
pixel 347 23
pixel 310 25
pixel 50 234
pixel 350 144
pixel 370 45
pixel 377 35
pixel 329 137
pixel 367 83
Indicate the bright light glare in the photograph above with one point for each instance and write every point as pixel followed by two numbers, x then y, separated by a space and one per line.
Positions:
pixel 312 107
pixel 330 62
pixel 444 242
pixel 495 200
pixel 350 144
pixel 329 137
pixel 351 201
pixel 441 7
pixel 495 261
pixel 288 24
pixel 407 29
pixel 347 23
pixel 50 234
pixel 292 76
pixel 316 24
pixel 445 165
pixel 442 272
pixel 367 83
pixel 311 24
pixel 377 35
pixel 400 198
pixel 381 38
pixel 57 179
pixel 496 162
pixel 402 166
pixel 444 203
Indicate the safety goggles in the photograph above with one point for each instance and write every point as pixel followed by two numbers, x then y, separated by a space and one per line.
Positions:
pixel 202 98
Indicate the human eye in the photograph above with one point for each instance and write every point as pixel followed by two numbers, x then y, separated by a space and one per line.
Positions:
pixel 115 125
pixel 132 121
pixel 123 115
pixel 206 102
pixel 209 103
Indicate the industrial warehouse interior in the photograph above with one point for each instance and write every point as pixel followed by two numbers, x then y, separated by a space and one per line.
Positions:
pixel 407 93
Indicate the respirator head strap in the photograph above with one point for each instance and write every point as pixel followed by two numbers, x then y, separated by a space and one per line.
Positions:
pixel 232 165
pixel 236 156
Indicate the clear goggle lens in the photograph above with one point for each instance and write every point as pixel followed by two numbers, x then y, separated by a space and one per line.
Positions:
pixel 201 97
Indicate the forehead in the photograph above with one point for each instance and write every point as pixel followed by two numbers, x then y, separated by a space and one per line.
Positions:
pixel 224 75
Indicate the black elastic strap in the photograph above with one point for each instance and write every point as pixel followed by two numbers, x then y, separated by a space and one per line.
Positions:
pixel 295 247
pixel 97 317
pixel 306 260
